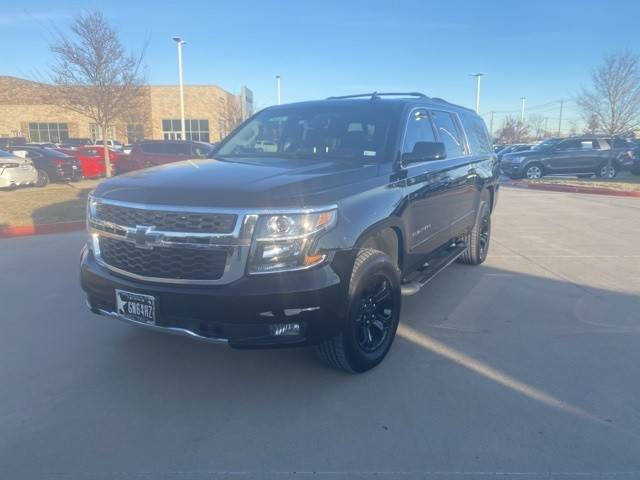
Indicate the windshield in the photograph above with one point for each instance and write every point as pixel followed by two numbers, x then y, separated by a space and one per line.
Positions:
pixel 55 153
pixel 345 132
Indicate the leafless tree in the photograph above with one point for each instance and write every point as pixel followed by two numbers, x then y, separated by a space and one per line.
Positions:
pixel 537 124
pixel 94 74
pixel 614 96
pixel 593 125
pixel 230 114
pixel 512 131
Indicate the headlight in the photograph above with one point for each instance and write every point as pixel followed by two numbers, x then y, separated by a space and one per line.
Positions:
pixel 288 241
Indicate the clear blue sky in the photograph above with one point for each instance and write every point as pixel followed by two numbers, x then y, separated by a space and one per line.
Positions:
pixel 541 49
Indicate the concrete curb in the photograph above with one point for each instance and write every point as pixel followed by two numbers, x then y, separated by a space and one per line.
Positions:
pixel 549 187
pixel 27 230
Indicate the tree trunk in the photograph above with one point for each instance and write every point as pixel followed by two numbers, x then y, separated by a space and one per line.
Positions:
pixel 107 160
pixel 610 159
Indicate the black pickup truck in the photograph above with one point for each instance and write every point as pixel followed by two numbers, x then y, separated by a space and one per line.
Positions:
pixel 306 226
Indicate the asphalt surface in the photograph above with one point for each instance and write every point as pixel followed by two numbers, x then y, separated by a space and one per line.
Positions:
pixel 525 367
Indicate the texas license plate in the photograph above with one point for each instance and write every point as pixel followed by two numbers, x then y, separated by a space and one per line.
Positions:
pixel 137 307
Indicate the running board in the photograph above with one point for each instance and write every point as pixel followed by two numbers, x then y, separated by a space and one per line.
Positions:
pixel 414 283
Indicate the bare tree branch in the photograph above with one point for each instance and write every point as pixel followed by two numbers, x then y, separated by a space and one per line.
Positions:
pixel 94 75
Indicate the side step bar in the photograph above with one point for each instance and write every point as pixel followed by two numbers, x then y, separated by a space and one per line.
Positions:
pixel 414 283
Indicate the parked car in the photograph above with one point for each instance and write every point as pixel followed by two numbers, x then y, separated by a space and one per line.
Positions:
pixel 367 198
pixel 75 142
pixel 52 165
pixel 518 147
pixel 113 144
pixel 92 160
pixel 581 156
pixel 158 152
pixel 16 171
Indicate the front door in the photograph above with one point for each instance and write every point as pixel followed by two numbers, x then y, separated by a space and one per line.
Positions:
pixel 427 216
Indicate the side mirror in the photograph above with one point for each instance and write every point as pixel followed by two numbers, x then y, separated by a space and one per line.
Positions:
pixel 425 152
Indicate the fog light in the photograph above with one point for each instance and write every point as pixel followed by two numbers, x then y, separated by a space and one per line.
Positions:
pixel 284 329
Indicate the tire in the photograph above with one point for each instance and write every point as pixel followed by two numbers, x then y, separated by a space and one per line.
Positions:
pixel 533 171
pixel 602 171
pixel 372 316
pixel 43 179
pixel 478 240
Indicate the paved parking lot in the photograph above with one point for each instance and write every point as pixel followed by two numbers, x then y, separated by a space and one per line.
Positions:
pixel 525 367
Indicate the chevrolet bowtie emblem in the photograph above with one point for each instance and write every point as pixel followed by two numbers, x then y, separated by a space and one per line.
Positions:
pixel 143 236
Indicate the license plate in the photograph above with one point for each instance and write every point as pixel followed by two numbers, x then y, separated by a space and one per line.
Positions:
pixel 135 306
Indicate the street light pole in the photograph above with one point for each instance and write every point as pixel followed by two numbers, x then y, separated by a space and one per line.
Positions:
pixel 279 89
pixel 524 99
pixel 478 76
pixel 180 42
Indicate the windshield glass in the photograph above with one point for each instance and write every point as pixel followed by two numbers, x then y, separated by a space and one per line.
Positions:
pixel 55 153
pixel 349 132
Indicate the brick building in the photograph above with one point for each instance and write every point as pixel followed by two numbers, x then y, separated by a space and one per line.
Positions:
pixel 27 110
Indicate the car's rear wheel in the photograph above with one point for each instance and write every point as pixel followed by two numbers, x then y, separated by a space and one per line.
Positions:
pixel 43 179
pixel 533 171
pixel 372 315
pixel 607 171
pixel 479 238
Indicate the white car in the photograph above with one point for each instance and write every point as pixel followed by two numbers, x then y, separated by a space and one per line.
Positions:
pixel 16 171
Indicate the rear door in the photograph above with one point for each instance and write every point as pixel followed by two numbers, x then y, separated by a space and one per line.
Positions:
pixel 462 195
pixel 566 157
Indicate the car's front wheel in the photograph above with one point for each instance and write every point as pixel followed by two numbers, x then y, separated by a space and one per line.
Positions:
pixel 533 171
pixel 372 316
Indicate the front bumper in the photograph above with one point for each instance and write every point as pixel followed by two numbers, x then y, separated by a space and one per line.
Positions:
pixel 511 169
pixel 242 313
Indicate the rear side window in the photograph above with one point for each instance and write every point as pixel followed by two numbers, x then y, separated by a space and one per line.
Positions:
pixel 419 129
pixel 449 133
pixel 479 141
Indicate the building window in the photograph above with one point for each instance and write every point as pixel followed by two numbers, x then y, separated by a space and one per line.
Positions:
pixel 135 132
pixel 95 133
pixel 48 132
pixel 197 130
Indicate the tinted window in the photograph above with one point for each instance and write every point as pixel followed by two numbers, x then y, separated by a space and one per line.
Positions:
pixel 479 141
pixel 448 133
pixel 419 129
pixel 572 144
pixel 351 132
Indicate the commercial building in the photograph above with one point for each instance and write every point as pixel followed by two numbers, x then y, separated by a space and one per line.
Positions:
pixel 28 109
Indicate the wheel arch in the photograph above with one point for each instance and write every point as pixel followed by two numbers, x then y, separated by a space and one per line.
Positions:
pixel 386 236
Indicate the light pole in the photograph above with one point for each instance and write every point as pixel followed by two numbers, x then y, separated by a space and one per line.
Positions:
pixel 478 76
pixel 180 42
pixel 279 89
pixel 523 99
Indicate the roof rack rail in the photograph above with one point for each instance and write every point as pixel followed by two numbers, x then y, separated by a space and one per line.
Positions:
pixel 375 95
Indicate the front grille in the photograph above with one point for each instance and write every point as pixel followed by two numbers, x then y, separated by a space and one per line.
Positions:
pixel 189 222
pixel 164 262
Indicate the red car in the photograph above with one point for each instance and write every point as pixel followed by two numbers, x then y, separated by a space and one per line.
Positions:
pixel 150 153
pixel 92 160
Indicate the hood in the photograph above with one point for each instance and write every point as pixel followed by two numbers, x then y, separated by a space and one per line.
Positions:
pixel 239 183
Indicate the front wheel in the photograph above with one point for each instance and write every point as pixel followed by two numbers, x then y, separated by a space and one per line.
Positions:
pixel 533 171
pixel 372 316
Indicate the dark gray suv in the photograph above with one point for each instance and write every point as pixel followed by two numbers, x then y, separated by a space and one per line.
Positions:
pixel 581 156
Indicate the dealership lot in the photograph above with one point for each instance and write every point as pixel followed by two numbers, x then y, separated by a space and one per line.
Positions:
pixel 527 365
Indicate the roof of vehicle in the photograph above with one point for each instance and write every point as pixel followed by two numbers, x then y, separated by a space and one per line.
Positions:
pixel 410 98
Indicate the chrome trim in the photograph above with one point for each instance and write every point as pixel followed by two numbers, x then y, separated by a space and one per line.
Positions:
pixel 237 211
pixel 238 243
pixel 173 330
